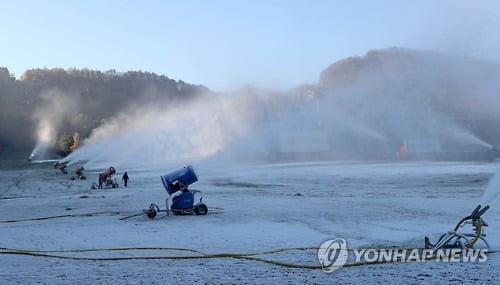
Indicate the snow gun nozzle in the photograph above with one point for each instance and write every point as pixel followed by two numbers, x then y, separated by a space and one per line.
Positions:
pixel 478 212
pixel 481 212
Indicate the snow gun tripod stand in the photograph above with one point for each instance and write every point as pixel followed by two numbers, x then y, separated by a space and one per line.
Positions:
pixel 454 239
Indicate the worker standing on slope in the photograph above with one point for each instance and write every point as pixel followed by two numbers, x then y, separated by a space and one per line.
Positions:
pixel 125 179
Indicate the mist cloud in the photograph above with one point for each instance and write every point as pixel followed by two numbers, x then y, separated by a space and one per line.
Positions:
pixel 362 108
pixel 53 114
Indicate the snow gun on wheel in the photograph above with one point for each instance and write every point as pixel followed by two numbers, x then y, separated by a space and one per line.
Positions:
pixel 181 200
pixel 457 239
pixel 183 203
pixel 106 180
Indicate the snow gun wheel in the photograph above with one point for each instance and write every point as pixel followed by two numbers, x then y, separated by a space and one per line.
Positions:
pixel 201 209
pixel 151 212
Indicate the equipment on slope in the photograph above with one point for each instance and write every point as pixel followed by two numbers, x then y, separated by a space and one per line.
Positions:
pixel 183 203
pixel 105 180
pixel 180 200
pixel 61 166
pixel 79 173
pixel 456 239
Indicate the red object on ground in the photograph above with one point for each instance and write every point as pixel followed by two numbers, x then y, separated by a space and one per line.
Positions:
pixel 108 173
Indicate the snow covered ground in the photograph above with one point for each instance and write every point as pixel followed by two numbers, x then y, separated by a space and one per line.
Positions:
pixel 267 206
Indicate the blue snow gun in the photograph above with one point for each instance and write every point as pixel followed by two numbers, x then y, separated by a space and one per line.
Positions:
pixel 184 203
pixel 183 199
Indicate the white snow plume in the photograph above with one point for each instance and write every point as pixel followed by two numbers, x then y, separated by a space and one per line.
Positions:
pixel 46 138
pixel 52 114
pixel 492 192
pixel 157 134
pixel 463 135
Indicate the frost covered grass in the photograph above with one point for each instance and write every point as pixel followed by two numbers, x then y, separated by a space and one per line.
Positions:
pixel 266 207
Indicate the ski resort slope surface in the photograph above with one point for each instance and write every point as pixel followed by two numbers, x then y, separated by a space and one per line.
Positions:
pixel 265 207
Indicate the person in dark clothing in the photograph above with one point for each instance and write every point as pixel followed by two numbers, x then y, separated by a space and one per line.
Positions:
pixel 125 179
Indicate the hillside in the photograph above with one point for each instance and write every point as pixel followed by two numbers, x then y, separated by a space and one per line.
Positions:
pixel 361 107
pixel 56 102
pixel 404 93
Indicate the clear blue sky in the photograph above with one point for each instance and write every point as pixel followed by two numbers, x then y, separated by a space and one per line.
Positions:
pixel 228 44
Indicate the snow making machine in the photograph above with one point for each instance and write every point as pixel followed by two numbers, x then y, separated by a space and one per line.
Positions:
pixel 180 200
pixel 464 240
pixel 106 180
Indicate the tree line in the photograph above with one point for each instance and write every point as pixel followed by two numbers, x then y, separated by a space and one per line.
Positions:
pixel 76 101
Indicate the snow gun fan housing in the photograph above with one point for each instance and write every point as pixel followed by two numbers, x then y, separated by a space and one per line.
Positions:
pixel 174 180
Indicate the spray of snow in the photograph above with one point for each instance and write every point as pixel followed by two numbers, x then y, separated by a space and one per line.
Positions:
pixel 463 135
pixel 46 136
pixel 492 192
pixel 54 111
pixel 247 125
pixel 370 113
pixel 158 134
pixel 362 129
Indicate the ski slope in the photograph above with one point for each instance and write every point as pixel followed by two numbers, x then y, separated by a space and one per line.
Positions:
pixel 267 206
